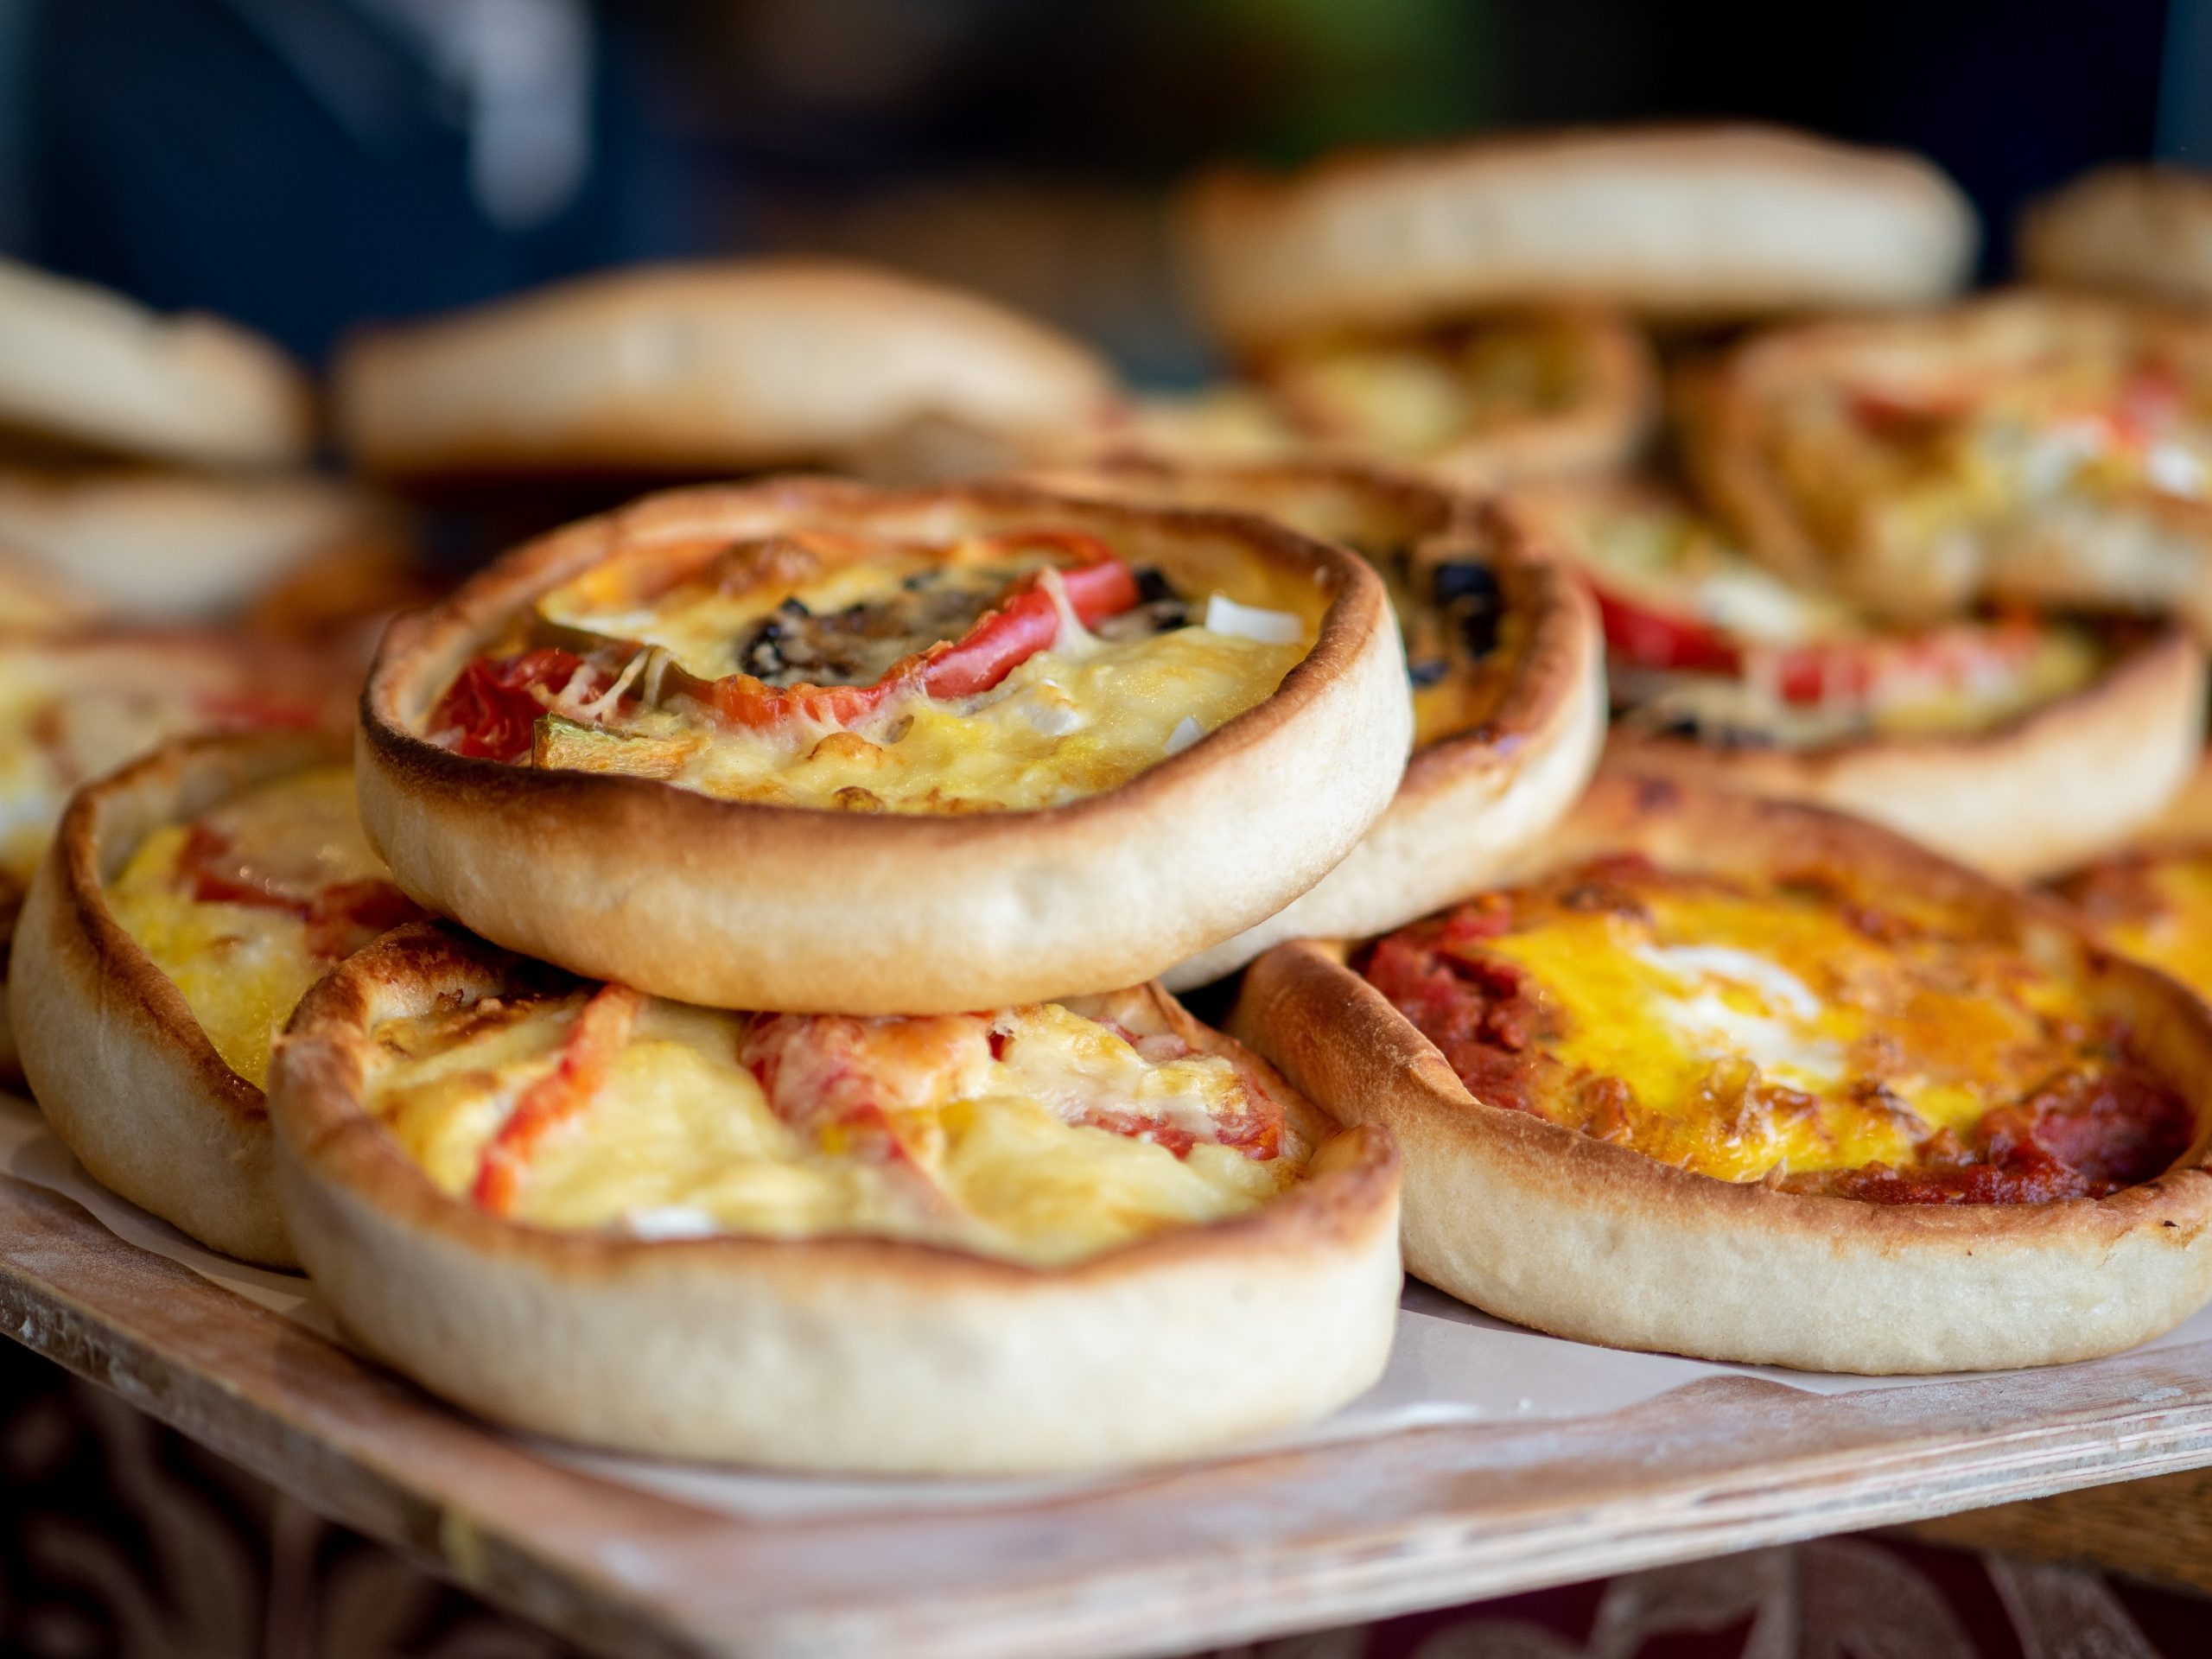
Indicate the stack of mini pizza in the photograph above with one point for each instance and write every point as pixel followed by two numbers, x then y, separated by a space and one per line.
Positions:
pixel 721 997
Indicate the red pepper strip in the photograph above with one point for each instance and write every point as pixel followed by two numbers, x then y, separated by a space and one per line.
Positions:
pixel 1025 622
pixel 601 1028
pixel 1650 638
pixel 493 704
pixel 341 916
pixel 1846 669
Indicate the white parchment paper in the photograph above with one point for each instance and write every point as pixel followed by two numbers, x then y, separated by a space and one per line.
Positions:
pixel 1449 1365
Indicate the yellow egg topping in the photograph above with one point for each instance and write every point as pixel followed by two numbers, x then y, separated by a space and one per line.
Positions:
pixel 1789 1032
pixel 1042 1134
pixel 248 906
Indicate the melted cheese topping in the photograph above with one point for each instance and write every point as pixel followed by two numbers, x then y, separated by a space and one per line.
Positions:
pixel 1086 714
pixel 980 1132
pixel 1065 724
pixel 1750 1033
pixel 243 968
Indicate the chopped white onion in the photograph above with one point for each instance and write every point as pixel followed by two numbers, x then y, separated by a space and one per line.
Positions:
pixel 671 1221
pixel 1225 615
pixel 1187 731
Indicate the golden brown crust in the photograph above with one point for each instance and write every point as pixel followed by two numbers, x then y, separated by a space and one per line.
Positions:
pixel 1584 1238
pixel 2152 553
pixel 708 369
pixel 739 905
pixel 2132 230
pixel 2009 800
pixel 1470 800
pixel 846 1353
pixel 89 368
pixel 118 1062
pixel 1695 222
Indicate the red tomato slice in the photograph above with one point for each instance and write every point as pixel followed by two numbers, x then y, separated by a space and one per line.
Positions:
pixel 494 703
pixel 601 1029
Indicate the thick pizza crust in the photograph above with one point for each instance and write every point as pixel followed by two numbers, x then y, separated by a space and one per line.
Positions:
pixel 2143 231
pixel 1468 802
pixel 118 1062
pixel 838 1353
pixel 1699 222
pixel 739 905
pixel 164 546
pixel 2149 553
pixel 83 367
pixel 1605 427
pixel 685 371
pixel 34 598
pixel 2010 800
pixel 1582 1238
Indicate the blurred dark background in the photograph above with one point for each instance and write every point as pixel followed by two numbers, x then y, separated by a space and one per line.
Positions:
pixel 304 163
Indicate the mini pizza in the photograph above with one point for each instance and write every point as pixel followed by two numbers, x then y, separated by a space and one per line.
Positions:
pixel 161 547
pixel 812 747
pixel 1470 404
pixel 74 706
pixel 1058 1236
pixel 185 904
pixel 2026 447
pixel 87 372
pixel 1502 659
pixel 1704 223
pixel 1972 736
pixel 1750 1081
pixel 2144 231
pixel 672 372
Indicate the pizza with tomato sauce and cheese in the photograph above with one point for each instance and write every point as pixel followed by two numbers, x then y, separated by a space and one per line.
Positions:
pixel 187 903
pixel 1473 404
pixel 2033 447
pixel 73 705
pixel 871 722
pixel 1969 734
pixel 1055 1235
pixel 1746 1080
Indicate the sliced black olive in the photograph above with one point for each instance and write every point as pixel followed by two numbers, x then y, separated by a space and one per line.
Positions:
pixel 794 607
pixel 1478 627
pixel 1426 671
pixel 1459 579
pixel 1152 587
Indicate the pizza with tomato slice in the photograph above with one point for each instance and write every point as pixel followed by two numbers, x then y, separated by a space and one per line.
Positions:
pixel 1751 1080
pixel 1535 394
pixel 1969 734
pixel 1503 661
pixel 2028 446
pixel 808 745
pixel 74 705
pixel 187 902
pixel 1061 1234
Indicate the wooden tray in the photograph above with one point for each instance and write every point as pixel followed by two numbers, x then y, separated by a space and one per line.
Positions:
pixel 1176 1561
